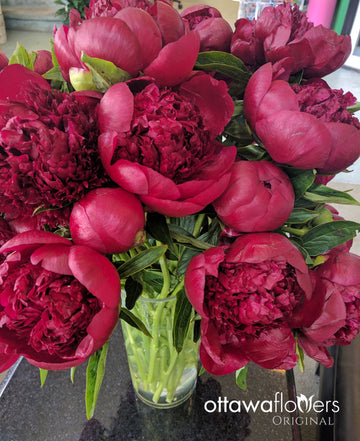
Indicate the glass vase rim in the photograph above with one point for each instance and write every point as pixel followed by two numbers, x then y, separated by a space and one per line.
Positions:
pixel 156 300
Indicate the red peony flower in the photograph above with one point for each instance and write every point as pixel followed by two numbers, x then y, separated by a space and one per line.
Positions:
pixel 108 8
pixel 215 32
pixel 107 220
pixel 259 197
pixel 159 142
pixel 284 37
pixel 59 302
pixel 305 126
pixel 339 321
pixel 48 147
pixel 134 41
pixel 249 296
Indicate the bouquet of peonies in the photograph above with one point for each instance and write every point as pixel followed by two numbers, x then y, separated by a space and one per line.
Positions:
pixel 152 155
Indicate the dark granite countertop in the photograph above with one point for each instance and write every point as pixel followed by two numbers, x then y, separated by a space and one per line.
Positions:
pixel 56 412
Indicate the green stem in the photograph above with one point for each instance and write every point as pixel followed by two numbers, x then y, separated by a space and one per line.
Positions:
pixel 296 231
pixel 198 224
pixel 157 317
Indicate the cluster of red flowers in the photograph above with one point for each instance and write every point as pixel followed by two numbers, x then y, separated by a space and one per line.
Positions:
pixel 93 161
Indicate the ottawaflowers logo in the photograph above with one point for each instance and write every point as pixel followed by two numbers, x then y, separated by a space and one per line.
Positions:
pixel 308 410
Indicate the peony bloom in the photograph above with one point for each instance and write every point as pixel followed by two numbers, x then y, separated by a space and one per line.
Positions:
pixel 259 197
pixel 284 36
pixel 339 321
pixel 59 302
pixel 215 32
pixel 249 295
pixel 107 220
pixel 108 8
pixel 133 40
pixel 305 126
pixel 48 152
pixel 159 142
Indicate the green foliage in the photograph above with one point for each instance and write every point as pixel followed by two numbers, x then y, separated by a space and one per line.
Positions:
pixel 67 5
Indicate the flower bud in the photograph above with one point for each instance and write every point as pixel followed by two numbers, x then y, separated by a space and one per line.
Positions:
pixel 107 220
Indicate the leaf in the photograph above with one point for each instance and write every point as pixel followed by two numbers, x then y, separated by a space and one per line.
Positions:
pixel 21 56
pixel 324 237
pixel 94 376
pixel 252 152
pixel 43 375
pixel 225 64
pixel 301 180
pixel 241 377
pixel 322 193
pixel 104 73
pixel 152 281
pixel 184 260
pixel 301 216
pixel 133 321
pixel 72 374
pixel 201 371
pixel 157 226
pixel 182 316
pixel 141 261
pixel 133 290
pixel 183 237
pixel 197 331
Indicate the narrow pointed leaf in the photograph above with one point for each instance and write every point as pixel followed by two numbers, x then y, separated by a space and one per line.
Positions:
pixel 182 316
pixel 141 261
pixel 94 376
pixel 327 195
pixel 157 226
pixel 133 290
pixel 241 377
pixel 133 321
pixel 43 375
pixel 21 56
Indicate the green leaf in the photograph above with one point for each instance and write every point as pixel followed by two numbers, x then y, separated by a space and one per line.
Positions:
pixel 324 237
pixel 225 64
pixel 104 73
pixel 153 282
pixel 133 290
pixel 183 237
pixel 241 377
pixel 301 180
pixel 324 194
pixel 157 226
pixel 301 216
pixel 182 316
pixel 197 331
pixel 133 321
pixel 94 376
pixel 43 375
pixel 252 152
pixel 201 371
pixel 184 260
pixel 21 56
pixel 72 374
pixel 53 74
pixel 141 261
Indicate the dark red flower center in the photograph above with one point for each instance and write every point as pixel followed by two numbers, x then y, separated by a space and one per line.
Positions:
pixel 47 311
pixel 245 298
pixel 167 135
pixel 328 105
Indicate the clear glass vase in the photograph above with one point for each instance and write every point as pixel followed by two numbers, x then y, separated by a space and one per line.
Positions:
pixel 161 376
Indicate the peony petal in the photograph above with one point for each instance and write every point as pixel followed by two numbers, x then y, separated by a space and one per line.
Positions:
pixel 53 258
pixel 96 273
pixel 128 175
pixel 211 97
pixel 147 32
pixel 7 360
pixel 256 89
pixel 109 39
pixel 13 79
pixel 169 207
pixel 64 53
pixel 345 147
pixel 295 138
pixel 116 109
pixel 35 238
pixel 175 61
pixel 168 20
